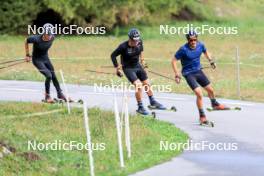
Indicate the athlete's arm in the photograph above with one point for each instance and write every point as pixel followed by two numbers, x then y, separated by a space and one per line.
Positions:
pixel 141 56
pixel 175 69
pixel 142 60
pixel 116 53
pixel 28 57
pixel 209 58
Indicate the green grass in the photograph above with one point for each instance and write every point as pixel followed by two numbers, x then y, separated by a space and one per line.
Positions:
pixel 17 129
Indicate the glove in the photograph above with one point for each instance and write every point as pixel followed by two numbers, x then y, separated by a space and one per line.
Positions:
pixel 177 78
pixel 144 65
pixel 212 63
pixel 118 72
pixel 28 58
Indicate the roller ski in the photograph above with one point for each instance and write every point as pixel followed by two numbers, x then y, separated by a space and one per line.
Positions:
pixel 62 99
pixel 221 107
pixel 173 108
pixel 204 122
pixel 154 105
pixel 48 99
pixel 142 111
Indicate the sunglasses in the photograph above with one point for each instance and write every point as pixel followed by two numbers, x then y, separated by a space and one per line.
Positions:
pixel 192 40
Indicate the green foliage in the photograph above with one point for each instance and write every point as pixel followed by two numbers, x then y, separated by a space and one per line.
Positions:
pixel 16 15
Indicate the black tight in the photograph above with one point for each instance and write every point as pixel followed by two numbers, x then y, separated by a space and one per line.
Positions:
pixel 46 68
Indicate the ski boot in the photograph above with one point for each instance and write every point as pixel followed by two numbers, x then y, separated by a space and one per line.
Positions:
pixel 204 122
pixel 156 105
pixel 48 99
pixel 142 110
pixel 219 107
pixel 62 97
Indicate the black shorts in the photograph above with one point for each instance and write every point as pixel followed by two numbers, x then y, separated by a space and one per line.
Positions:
pixel 197 78
pixel 135 73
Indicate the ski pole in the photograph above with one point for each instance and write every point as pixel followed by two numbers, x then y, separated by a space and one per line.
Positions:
pixel 107 66
pixel 206 67
pixel 16 60
pixel 155 73
pixel 12 65
pixel 158 74
pixel 100 72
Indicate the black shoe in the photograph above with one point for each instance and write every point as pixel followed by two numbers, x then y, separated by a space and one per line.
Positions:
pixel 215 103
pixel 48 99
pixel 157 105
pixel 142 110
pixel 61 96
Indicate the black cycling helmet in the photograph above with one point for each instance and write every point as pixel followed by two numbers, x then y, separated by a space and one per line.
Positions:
pixel 134 34
pixel 191 34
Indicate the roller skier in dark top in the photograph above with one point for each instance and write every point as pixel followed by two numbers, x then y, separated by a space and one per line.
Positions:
pixel 132 63
pixel 40 59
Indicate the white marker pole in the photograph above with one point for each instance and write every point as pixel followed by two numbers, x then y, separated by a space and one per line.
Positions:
pixel 127 128
pixel 66 91
pixel 122 113
pixel 238 72
pixel 88 136
pixel 119 138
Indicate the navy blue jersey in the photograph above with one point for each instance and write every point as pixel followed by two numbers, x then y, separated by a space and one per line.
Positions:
pixel 190 58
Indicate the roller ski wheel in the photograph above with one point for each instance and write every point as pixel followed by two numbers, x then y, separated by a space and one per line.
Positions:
pixel 173 108
pixel 60 101
pixel 153 114
pixel 80 101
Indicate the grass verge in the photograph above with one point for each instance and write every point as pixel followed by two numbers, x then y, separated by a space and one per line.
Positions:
pixel 17 129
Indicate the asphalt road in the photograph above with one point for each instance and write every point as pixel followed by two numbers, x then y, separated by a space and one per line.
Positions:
pixel 241 128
